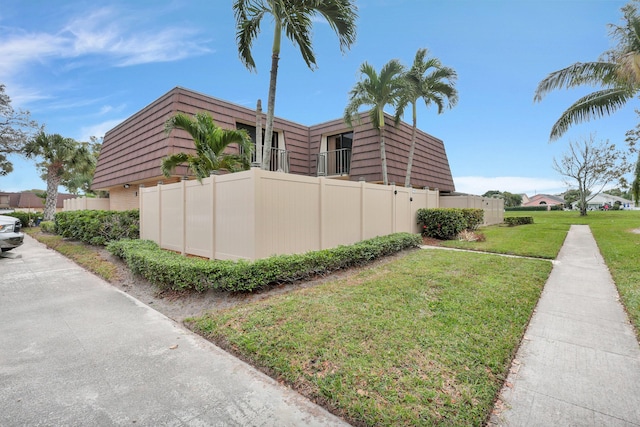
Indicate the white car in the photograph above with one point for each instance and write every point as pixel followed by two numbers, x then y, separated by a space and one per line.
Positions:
pixel 10 235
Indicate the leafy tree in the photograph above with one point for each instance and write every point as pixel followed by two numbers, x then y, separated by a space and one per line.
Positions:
pixel 617 72
pixel 510 199
pixel 59 155
pixel 210 144
pixel 79 181
pixel 591 164
pixel 619 192
pixel 295 18
pixel 492 193
pixel 376 91
pixel 435 84
pixel 16 127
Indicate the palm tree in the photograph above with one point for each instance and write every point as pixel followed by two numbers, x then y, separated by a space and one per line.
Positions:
pixel 59 156
pixel 376 91
pixel 430 80
pixel 617 71
pixel 210 144
pixel 295 18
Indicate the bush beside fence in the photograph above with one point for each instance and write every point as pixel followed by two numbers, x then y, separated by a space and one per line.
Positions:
pixel 171 270
pixel 98 227
pixel 447 223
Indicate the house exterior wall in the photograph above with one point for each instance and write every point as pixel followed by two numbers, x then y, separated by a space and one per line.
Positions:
pixel 255 214
pixel 133 150
pixel 430 165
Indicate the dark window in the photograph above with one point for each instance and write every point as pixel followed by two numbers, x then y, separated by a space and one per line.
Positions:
pixel 251 130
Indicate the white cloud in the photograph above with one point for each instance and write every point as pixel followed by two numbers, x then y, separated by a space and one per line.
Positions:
pixel 98 130
pixel 104 33
pixel 513 184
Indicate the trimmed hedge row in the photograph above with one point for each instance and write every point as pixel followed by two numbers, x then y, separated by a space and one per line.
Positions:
pixel 447 223
pixel 533 208
pixel 48 227
pixel 171 270
pixel 98 227
pixel 518 220
pixel 24 217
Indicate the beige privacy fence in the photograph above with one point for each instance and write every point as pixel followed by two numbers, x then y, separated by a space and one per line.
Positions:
pixel 255 214
pixel 85 203
pixel 493 207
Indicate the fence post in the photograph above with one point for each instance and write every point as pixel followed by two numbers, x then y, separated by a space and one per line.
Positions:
pixel 362 207
pixel 322 203
pixel 394 206
pixel 212 177
pixel 183 190
pixel 159 210
pixel 140 210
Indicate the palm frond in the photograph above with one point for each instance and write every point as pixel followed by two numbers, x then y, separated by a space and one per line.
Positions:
pixel 594 105
pixel 341 16
pixel 578 74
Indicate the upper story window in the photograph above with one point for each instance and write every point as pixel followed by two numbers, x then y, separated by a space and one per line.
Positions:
pixel 340 141
pixel 251 130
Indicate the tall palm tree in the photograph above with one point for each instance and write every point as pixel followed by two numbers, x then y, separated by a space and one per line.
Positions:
pixel 295 18
pixel 59 155
pixel 210 143
pixel 376 91
pixel 434 83
pixel 617 72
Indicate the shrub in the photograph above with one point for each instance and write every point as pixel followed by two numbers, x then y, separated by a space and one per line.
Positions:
pixel 48 227
pixel 473 218
pixel 171 270
pixel 441 223
pixel 98 227
pixel 518 220
pixel 534 208
pixel 27 219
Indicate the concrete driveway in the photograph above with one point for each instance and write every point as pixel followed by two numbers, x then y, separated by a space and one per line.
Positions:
pixel 76 351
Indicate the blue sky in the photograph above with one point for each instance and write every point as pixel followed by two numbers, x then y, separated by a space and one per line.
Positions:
pixel 81 67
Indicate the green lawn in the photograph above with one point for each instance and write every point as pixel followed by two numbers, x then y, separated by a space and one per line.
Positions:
pixel 423 340
pixel 619 246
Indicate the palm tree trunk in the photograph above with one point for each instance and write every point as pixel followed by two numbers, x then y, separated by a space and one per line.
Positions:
pixel 383 155
pixel 271 100
pixel 407 179
pixel 53 180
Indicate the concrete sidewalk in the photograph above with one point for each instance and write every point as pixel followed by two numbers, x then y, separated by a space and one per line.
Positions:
pixel 579 364
pixel 76 351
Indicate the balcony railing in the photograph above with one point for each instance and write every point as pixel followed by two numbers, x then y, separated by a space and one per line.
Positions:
pixel 279 159
pixel 336 162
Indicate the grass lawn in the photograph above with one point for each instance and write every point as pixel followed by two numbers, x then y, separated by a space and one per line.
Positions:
pixel 426 339
pixel 619 246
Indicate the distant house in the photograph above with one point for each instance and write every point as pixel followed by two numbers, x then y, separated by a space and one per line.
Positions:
pixel 28 201
pixel 543 199
pixel 601 199
pixel 132 151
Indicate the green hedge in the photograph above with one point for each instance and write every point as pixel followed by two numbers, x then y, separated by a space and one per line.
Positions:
pixel 25 217
pixel 534 208
pixel 48 227
pixel 171 270
pixel 518 220
pixel 98 227
pixel 473 218
pixel 447 223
